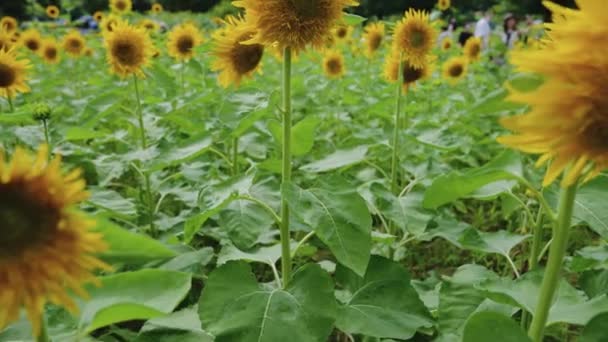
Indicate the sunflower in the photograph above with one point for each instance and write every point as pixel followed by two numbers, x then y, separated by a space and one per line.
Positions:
pixel 121 6
pixel 446 43
pixel 6 40
pixel 234 59
pixel 50 51
pixel 333 64
pixel 182 41
pixel 12 74
pixel 52 11
pixel 31 39
pixel 156 8
pixel 129 49
pixel 88 52
pixel 46 249
pixel 342 32
pixel 98 16
pixel 373 37
pixel 74 44
pixel 567 124
pixel 149 25
pixel 414 37
pixel 472 49
pixel 108 23
pixel 455 69
pixel 292 23
pixel 443 5
pixel 9 24
pixel 411 73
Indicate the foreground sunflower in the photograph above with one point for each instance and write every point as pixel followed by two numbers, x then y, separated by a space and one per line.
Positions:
pixel 443 5
pixel 52 11
pixel 46 248
pixel 472 49
pixel 121 6
pixel 50 51
pixel 411 73
pixel 292 23
pixel 9 24
pixel 568 121
pixel 156 8
pixel 455 69
pixel 373 38
pixel 98 16
pixel 333 64
pixel 74 44
pixel 233 59
pixel 31 39
pixel 6 40
pixel 414 37
pixel 12 75
pixel 446 43
pixel 128 49
pixel 182 41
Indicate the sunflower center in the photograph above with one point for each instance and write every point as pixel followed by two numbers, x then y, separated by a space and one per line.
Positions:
pixel 126 53
pixel 375 41
pixel 75 44
pixel 23 222
pixel 411 74
pixel 342 32
pixel 596 135
pixel 247 57
pixel 456 70
pixel 32 44
pixel 334 66
pixel 475 50
pixel 7 76
pixel 185 44
pixel 417 38
pixel 306 9
pixel 121 5
pixel 50 53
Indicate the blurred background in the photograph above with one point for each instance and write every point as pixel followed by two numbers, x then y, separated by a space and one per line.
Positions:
pixel 461 9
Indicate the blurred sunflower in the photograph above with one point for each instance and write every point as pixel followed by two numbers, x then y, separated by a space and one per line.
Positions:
pixel 121 6
pixel 333 64
pixel 292 23
pixel 233 59
pixel 129 49
pixel 182 41
pixel 98 16
pixel 31 39
pixel 108 23
pixel 373 38
pixel 455 69
pixel 414 37
pixel 446 43
pixel 9 24
pixel 6 40
pixel 149 25
pixel 46 249
pixel 342 33
pixel 472 49
pixel 50 51
pixel 52 11
pixel 88 52
pixel 443 5
pixel 12 75
pixel 74 44
pixel 410 73
pixel 568 121
pixel 156 8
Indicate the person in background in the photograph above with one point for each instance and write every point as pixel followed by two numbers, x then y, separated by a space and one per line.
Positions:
pixel 483 29
pixel 465 35
pixel 447 31
pixel 510 36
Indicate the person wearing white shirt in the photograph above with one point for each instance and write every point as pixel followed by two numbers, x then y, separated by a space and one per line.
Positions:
pixel 510 35
pixel 483 28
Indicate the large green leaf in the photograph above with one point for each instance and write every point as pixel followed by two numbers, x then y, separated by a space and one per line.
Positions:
pixel 595 331
pixel 128 296
pixel 180 326
pixel 234 307
pixel 128 247
pixel 339 216
pixel 590 205
pixel 494 178
pixel 337 160
pixel 383 304
pixel 492 326
pixel 302 134
pixel 245 221
pixel 179 155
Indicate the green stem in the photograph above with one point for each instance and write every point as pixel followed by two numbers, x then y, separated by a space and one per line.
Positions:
pixel 183 72
pixel 10 103
pixel 537 242
pixel 263 205
pixel 285 248
pixel 144 145
pixel 44 331
pixel 554 265
pixel 302 242
pixel 235 156
pixel 395 157
pixel 46 133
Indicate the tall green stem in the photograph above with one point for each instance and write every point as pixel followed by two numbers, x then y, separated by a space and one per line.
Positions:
pixel 46 133
pixel 144 145
pixel 10 103
pixel 554 265
pixel 537 240
pixel 44 331
pixel 285 248
pixel 235 156
pixel 397 124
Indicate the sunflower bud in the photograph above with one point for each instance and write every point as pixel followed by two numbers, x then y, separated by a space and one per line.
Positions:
pixel 42 112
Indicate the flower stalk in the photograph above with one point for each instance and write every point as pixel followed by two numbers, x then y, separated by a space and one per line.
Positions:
pixel 287 121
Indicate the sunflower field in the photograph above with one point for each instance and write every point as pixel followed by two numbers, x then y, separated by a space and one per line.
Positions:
pixel 296 172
